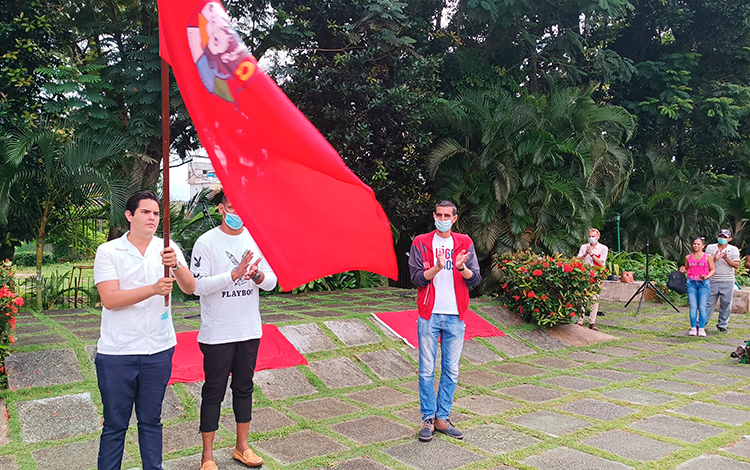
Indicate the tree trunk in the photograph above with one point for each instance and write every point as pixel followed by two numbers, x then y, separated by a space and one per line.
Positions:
pixel 39 255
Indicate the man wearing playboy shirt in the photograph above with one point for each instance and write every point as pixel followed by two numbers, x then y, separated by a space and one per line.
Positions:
pixel 593 253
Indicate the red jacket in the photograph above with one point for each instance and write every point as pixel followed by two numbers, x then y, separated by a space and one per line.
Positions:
pixel 421 258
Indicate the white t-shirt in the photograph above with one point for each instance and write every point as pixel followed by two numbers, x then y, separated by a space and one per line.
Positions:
pixel 599 251
pixel 724 272
pixel 145 327
pixel 229 310
pixel 445 293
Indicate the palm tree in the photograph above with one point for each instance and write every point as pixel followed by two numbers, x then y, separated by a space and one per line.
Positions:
pixel 50 173
pixel 529 172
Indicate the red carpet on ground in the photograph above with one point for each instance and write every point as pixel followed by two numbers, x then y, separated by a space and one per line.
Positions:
pixel 404 324
pixel 274 352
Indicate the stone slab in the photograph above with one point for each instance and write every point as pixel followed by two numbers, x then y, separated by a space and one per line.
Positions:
pixel 573 383
pixel 83 325
pixel 323 313
pixel 611 375
pixel 741 447
pixel 75 456
pixel 33 340
pixel 264 419
pixel 531 393
pixel 699 353
pixel 734 398
pixel 414 415
pixel 705 378
pixel 371 429
pixel 195 389
pixel 307 338
pixel 510 346
pixel 339 372
pixel 645 367
pixel 669 426
pixel 731 369
pixel 277 318
pixel 87 336
pixel 476 353
pixel 596 409
pixel 381 397
pixel 52 418
pixel 479 378
pixel 573 335
pixel 485 405
pixel 353 332
pixel 74 318
pixel 639 397
pixel 554 424
pixel 497 439
pixel 541 339
pixel 323 408
pixel 675 387
pixel 565 458
pixel 180 327
pixel 710 462
pixel 555 363
pixel 423 457
pixel 278 384
pixel 646 346
pixel 8 462
pixel 299 446
pixel 630 446
pixel 30 329
pixel 42 368
pixel 585 356
pixel 222 457
pixel 711 412
pixel 388 364
pixel 677 361
pixel 501 315
pixel 619 352
pixel 3 424
pixel 520 370
pixel 91 352
pixel 180 436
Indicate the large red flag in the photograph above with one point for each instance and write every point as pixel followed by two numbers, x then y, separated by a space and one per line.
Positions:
pixel 310 215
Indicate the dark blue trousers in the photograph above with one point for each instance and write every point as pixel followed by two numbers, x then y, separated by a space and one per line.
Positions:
pixel 124 380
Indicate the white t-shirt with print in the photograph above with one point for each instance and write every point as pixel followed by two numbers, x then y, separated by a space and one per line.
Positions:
pixel 445 294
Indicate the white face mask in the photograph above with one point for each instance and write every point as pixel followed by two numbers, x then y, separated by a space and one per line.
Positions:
pixel 592 241
pixel 443 225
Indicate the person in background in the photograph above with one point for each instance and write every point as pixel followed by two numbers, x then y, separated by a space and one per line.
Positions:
pixel 134 353
pixel 593 253
pixel 699 267
pixel 726 260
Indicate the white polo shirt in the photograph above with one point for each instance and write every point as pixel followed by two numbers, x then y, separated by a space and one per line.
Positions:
pixel 145 327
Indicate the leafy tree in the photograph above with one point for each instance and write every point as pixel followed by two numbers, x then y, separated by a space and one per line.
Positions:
pixel 55 175
pixel 529 172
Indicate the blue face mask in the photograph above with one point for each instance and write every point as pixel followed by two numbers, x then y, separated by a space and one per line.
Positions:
pixel 233 221
pixel 722 241
pixel 443 225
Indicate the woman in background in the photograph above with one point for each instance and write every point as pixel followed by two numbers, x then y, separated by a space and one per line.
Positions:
pixel 699 268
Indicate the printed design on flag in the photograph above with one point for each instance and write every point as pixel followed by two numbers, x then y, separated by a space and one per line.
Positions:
pixel 223 62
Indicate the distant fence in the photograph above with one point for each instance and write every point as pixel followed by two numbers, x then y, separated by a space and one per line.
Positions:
pixel 59 291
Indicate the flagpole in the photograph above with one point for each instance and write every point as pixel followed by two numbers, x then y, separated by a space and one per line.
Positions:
pixel 165 159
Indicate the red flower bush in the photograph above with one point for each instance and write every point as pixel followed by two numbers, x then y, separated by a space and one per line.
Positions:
pixel 566 282
pixel 9 303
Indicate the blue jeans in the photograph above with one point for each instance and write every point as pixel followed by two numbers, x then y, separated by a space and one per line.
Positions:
pixel 124 380
pixel 697 292
pixel 450 329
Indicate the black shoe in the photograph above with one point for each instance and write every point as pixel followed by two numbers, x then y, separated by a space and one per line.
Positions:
pixel 428 428
pixel 721 328
pixel 448 429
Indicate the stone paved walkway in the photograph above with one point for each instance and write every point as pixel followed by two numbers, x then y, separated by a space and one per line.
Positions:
pixel 651 398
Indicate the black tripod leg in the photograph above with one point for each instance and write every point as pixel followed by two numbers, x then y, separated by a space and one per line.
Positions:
pixel 640 289
pixel 658 292
pixel 644 288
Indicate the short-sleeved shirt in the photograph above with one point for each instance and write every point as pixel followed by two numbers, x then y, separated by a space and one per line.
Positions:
pixel 724 272
pixel 145 327
pixel 599 251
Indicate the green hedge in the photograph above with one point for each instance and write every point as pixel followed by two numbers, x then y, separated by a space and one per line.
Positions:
pixel 28 258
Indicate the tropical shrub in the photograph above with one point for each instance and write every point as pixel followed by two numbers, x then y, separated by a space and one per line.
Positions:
pixel 9 303
pixel 546 290
pixel 28 258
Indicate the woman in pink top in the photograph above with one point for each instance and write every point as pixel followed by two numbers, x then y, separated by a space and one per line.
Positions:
pixel 699 269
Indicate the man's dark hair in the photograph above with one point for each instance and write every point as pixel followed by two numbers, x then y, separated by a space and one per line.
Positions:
pixel 445 203
pixel 135 200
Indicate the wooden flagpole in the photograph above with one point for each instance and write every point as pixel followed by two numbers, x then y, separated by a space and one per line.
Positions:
pixel 165 159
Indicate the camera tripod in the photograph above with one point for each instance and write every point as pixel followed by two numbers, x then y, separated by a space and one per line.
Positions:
pixel 647 284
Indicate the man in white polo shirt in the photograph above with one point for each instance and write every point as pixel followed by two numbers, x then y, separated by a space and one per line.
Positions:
pixel 134 352
pixel 230 272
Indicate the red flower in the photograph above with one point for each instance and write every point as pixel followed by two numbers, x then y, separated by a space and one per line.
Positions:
pixel 544 297
pixel 559 264
pixel 505 285
pixel 537 272
pixel 545 264
pixel 520 309
pixel 536 310
pixel 567 268
pixel 569 305
pixel 516 297
pixel 572 314
pixel 532 295
pixel 523 270
pixel 18 301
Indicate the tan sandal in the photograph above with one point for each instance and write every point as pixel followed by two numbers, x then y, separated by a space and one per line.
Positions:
pixel 209 465
pixel 248 458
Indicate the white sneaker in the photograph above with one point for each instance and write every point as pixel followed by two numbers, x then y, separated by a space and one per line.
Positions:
pixel 701 332
pixel 693 331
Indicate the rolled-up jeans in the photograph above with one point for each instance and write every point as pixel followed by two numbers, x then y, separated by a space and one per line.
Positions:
pixel 450 329
pixel 697 292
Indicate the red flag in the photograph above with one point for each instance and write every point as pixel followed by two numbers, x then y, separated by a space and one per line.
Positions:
pixel 310 215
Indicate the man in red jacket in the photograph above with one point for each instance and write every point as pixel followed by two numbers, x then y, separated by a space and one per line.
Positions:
pixel 443 265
